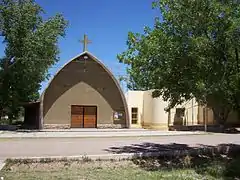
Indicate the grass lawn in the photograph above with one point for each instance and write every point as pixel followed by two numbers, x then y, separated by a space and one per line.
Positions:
pixel 142 169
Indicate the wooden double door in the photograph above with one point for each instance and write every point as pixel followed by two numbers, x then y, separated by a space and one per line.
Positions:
pixel 83 116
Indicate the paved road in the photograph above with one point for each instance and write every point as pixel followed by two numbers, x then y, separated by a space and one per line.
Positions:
pixel 95 146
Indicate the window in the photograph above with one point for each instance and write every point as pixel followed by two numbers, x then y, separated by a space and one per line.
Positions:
pixel 179 116
pixel 134 115
pixel 180 112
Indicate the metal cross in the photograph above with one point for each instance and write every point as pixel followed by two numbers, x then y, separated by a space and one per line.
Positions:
pixel 85 42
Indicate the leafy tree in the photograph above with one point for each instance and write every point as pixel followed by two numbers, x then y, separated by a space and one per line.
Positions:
pixel 30 49
pixel 192 53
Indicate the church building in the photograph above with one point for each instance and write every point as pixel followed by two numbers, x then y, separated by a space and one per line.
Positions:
pixel 85 94
pixel 148 112
pixel 82 94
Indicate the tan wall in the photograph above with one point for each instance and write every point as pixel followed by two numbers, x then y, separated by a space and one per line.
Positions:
pixel 205 114
pixel 231 120
pixel 83 82
pixel 151 111
pixel 197 115
pixel 153 115
pixel 191 112
pixel 135 100
pixel 159 115
pixel 193 115
pixel 147 108
pixel 60 113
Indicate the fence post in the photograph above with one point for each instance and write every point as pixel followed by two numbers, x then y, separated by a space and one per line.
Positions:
pixel 169 118
pixel 192 113
pixel 205 119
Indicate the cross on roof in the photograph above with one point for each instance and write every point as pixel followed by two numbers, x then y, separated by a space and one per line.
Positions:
pixel 85 42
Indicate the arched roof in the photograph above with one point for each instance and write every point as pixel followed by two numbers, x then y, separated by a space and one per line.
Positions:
pixel 104 67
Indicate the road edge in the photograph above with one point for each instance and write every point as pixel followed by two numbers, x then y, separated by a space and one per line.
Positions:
pixel 106 136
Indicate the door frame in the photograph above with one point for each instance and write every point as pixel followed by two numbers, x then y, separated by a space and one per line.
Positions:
pixel 84 113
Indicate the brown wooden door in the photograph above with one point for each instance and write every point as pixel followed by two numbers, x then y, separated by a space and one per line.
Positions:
pixel 83 116
pixel 77 116
pixel 90 117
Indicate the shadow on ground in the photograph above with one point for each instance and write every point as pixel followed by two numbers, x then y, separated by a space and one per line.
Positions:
pixel 228 129
pixel 148 148
pixel 232 131
pixel 219 162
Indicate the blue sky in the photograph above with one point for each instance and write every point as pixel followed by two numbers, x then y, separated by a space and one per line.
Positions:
pixel 106 22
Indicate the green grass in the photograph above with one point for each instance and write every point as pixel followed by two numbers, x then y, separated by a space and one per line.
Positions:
pixel 94 171
pixel 186 168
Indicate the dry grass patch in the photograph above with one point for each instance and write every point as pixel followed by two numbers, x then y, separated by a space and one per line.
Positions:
pixel 181 168
pixel 95 170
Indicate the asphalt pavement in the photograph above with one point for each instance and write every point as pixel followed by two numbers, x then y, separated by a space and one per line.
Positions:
pixel 47 147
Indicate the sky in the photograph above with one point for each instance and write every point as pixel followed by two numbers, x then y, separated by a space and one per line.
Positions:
pixel 106 22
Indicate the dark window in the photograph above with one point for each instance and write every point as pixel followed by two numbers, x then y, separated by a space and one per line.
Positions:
pixel 134 115
pixel 180 112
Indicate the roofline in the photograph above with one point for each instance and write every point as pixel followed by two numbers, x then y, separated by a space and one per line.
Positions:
pixel 49 82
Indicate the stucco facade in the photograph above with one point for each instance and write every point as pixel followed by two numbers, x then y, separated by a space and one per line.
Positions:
pixel 152 114
pixel 195 114
pixel 84 81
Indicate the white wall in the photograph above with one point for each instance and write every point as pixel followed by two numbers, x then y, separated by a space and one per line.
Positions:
pixel 191 113
pixel 135 99
pixel 151 111
pixel 147 108
pixel 159 115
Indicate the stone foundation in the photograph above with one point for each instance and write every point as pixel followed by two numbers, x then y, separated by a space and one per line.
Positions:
pixel 156 126
pixel 110 126
pixel 56 126
pixel 99 126
pixel 159 126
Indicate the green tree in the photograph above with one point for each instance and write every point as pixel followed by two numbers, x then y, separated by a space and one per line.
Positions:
pixel 30 49
pixel 192 53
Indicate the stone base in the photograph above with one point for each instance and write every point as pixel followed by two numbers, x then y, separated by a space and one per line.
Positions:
pixel 157 126
pixel 111 126
pixel 99 126
pixel 56 126
pixel 146 125
pixel 136 126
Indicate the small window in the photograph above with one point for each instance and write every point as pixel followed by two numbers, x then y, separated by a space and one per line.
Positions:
pixel 180 112
pixel 134 115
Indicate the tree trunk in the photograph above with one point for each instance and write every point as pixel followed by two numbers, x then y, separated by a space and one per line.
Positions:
pixel 10 121
pixel 1 112
pixel 221 115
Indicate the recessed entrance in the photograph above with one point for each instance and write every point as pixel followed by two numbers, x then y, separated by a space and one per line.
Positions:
pixel 83 116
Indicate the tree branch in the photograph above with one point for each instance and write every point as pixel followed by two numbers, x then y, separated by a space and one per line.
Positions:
pixel 237 57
